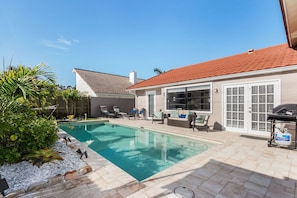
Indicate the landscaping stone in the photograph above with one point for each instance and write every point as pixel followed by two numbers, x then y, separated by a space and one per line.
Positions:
pixel 37 186
pixel 22 175
pixel 70 175
pixel 15 194
pixel 55 180
pixel 85 170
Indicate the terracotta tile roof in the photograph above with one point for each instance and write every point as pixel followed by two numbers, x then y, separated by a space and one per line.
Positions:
pixel 267 58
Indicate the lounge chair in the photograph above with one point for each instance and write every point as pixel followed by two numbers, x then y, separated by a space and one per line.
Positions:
pixel 133 113
pixel 200 121
pixel 158 116
pixel 105 112
pixel 117 112
pixel 142 113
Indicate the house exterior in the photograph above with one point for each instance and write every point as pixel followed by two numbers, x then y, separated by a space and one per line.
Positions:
pixel 236 91
pixel 105 89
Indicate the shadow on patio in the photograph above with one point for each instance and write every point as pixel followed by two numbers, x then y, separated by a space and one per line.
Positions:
pixel 216 178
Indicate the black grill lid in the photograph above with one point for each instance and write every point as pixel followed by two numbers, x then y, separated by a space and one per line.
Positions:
pixel 284 112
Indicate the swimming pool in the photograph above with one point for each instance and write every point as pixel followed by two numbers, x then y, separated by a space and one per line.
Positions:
pixel 139 152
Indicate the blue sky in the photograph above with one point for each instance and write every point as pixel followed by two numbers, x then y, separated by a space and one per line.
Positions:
pixel 120 36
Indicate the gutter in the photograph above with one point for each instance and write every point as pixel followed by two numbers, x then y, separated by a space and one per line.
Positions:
pixel 223 77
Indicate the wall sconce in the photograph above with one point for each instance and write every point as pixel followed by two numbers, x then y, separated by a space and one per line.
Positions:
pixel 215 90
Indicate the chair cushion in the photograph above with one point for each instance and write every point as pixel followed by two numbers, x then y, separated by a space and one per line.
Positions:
pixel 200 119
pixel 182 116
pixel 174 114
pixel 159 115
pixel 184 113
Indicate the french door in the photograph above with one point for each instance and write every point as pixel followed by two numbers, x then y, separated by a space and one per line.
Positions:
pixel 246 106
pixel 150 103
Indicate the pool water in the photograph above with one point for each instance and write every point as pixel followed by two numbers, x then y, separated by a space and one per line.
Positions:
pixel 139 152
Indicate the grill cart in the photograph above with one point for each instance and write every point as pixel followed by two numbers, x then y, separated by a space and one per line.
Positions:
pixel 283 114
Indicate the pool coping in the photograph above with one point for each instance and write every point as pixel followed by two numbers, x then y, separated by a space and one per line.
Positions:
pixel 238 165
pixel 148 129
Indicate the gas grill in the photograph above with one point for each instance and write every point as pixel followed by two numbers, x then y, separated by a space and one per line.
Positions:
pixel 283 113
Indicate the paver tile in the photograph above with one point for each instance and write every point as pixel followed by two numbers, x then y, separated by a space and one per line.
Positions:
pixel 239 166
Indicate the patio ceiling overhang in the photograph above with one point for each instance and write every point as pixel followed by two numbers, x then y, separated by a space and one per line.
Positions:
pixel 289 12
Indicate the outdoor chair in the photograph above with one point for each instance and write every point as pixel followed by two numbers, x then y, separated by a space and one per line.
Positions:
pixel 142 113
pixel 158 116
pixel 200 121
pixel 117 111
pixel 133 113
pixel 105 112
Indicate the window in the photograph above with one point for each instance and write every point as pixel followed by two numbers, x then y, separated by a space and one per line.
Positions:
pixel 190 98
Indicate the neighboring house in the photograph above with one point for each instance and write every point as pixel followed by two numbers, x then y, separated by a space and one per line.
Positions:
pixel 237 91
pixel 105 89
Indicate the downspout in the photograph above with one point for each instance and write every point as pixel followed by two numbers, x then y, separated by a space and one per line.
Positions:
pixel 135 97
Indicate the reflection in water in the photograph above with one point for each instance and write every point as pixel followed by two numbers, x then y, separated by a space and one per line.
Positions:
pixel 139 152
pixel 142 137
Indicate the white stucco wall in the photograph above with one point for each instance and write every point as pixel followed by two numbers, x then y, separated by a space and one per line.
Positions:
pixel 287 91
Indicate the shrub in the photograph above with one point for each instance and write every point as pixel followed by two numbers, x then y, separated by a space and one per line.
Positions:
pixel 24 133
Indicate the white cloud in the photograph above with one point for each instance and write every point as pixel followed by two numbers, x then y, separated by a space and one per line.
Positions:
pixel 61 43
pixel 52 44
pixel 64 41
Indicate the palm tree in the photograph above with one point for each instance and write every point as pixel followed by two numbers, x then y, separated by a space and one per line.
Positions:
pixel 70 94
pixel 158 71
pixel 24 84
pixel 74 96
pixel 65 94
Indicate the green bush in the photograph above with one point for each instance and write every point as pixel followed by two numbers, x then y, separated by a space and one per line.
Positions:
pixel 24 133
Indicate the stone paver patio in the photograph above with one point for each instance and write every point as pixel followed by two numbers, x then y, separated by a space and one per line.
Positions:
pixel 240 166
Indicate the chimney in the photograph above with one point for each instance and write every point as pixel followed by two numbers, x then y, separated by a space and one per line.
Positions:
pixel 132 77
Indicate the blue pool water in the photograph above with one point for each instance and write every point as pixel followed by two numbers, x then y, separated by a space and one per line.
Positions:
pixel 139 152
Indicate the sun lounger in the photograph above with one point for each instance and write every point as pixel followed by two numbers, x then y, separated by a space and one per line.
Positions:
pixel 117 112
pixel 105 112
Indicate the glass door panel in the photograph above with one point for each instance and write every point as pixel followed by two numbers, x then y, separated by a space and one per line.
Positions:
pixel 151 105
pixel 235 107
pixel 263 98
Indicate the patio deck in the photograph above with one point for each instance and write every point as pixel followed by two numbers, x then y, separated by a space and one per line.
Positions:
pixel 241 166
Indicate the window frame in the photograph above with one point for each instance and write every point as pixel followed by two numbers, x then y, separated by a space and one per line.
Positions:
pixel 191 88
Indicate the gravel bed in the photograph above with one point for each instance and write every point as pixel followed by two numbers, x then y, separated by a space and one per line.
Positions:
pixel 22 175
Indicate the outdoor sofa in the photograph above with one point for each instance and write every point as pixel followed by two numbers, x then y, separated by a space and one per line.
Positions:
pixel 180 118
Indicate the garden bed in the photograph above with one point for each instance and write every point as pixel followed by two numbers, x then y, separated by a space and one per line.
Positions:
pixel 22 176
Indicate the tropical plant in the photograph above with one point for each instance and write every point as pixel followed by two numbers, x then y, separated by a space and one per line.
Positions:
pixel 22 133
pixel 23 84
pixel 158 71
pixel 74 96
pixel 21 130
pixel 70 93
pixel 42 156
